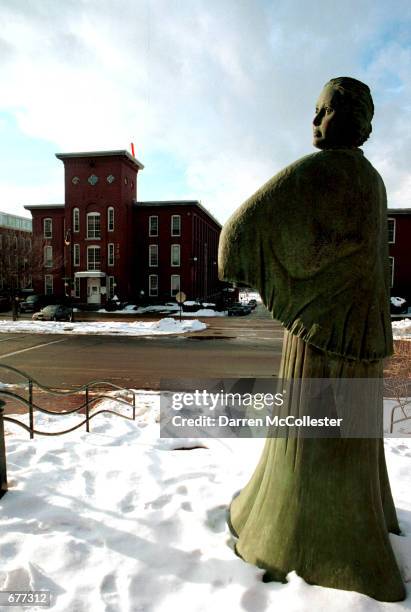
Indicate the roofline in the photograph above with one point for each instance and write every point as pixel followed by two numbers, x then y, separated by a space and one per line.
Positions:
pixel 399 211
pixel 3 212
pixel 120 152
pixel 179 203
pixel 39 206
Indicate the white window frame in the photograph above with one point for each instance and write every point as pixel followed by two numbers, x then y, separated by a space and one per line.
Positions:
pixel 152 232
pixel 76 220
pixel 110 286
pixel 392 265
pixel 175 251
pixel 153 255
pixel 176 232
pixel 48 256
pixel 76 287
pixel 110 219
pixel 110 254
pixel 173 292
pixel 93 263
pixel 93 229
pixel 153 285
pixel 48 232
pixel 393 221
pixel 48 284
pixel 76 255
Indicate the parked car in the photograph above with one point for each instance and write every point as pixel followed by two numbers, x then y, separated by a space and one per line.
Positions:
pixel 191 306
pixel 398 305
pixel 35 302
pixel 252 303
pixel 54 312
pixel 238 310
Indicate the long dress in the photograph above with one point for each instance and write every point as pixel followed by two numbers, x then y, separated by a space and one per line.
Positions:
pixel 322 507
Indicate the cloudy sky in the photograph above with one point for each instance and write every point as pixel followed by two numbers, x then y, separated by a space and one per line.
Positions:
pixel 217 95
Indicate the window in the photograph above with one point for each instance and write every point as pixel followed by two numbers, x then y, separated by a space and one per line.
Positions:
pixel 175 254
pixel 153 226
pixel 48 257
pixel 153 255
pixel 110 286
pixel 110 254
pixel 93 258
pixel 48 284
pixel 47 228
pixel 391 231
pixel 93 225
pixel 110 219
pixel 391 271
pixel 175 225
pixel 175 284
pixel 76 255
pixel 153 285
pixel 76 220
pixel 76 287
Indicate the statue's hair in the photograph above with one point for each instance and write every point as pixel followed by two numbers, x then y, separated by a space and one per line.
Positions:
pixel 357 103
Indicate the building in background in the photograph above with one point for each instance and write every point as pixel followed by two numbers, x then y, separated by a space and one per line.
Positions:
pixel 399 240
pixel 104 242
pixel 15 253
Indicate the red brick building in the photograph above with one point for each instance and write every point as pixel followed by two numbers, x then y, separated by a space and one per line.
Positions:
pixel 399 239
pixel 103 241
pixel 15 253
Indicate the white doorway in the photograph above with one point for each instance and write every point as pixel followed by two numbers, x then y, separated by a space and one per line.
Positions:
pixel 93 291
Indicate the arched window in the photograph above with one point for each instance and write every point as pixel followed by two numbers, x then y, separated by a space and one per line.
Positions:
pixel 153 255
pixel 76 220
pixel 47 228
pixel 153 285
pixel 48 257
pixel 110 254
pixel 76 255
pixel 110 219
pixel 175 284
pixel 175 255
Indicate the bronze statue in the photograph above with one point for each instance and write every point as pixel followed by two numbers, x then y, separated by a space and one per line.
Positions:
pixel 313 242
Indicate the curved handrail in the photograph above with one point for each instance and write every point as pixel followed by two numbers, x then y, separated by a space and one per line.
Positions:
pixel 59 433
pixel 63 412
pixel 60 392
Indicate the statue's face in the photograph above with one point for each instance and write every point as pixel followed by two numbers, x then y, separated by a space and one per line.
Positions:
pixel 330 121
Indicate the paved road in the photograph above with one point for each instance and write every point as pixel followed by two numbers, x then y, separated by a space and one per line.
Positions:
pixel 230 347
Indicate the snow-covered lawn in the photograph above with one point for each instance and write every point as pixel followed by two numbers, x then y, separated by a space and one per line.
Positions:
pixel 168 325
pixel 118 520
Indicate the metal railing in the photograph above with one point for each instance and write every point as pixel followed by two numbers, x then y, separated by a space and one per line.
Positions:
pixel 30 384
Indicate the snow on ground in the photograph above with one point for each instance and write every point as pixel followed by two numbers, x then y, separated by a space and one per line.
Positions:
pixel 168 325
pixel 164 309
pixel 401 329
pixel 117 520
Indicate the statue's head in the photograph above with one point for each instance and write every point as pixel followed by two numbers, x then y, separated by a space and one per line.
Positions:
pixel 343 114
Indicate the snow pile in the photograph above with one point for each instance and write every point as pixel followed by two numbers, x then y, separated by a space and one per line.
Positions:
pixel 118 520
pixel 132 328
pixel 397 301
pixel 401 329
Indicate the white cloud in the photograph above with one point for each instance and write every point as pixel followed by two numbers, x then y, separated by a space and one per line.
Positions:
pixel 227 89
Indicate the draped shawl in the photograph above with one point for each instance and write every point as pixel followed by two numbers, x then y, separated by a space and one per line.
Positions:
pixel 313 242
